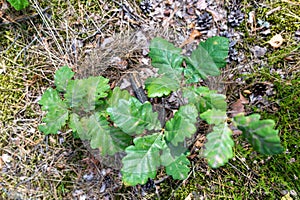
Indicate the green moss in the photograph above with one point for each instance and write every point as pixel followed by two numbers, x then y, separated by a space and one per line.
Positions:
pixel 11 87
pixel 277 56
pixel 284 21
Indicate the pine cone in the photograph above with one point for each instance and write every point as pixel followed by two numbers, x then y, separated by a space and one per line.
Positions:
pixel 226 34
pixel 204 21
pixel 233 53
pixel 235 18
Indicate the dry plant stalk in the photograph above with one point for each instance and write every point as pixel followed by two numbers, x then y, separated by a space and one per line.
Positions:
pixel 115 52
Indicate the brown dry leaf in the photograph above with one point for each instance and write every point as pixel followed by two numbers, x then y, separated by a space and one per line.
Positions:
pixel 237 132
pixel 194 34
pixel 238 106
pixel 243 99
pixel 276 41
pixel 191 25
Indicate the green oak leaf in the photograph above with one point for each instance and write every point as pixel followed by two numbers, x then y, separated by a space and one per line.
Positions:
pixel 158 87
pixel 133 117
pixel 213 116
pixel 18 4
pixel 182 125
pixel 116 95
pixel 51 100
pixel 95 128
pixel 204 98
pixel 75 93
pixel 218 148
pixel 142 159
pixel 79 126
pixel 207 58
pixel 190 76
pixel 166 57
pixel 105 137
pixel 54 120
pixel 259 133
pixel 62 77
pixel 84 94
pixel 217 47
pixel 177 167
pixel 57 114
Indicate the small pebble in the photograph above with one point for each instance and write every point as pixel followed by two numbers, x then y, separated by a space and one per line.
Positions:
pixel 88 177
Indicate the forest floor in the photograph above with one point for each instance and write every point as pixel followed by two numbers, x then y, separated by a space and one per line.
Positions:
pixel 96 38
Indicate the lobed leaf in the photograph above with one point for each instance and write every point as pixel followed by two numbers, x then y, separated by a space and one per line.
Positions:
pixel 51 100
pixel 133 117
pixel 204 98
pixel 166 57
pixel 177 167
pixel 213 116
pixel 182 125
pixel 116 95
pixel 95 128
pixel 142 159
pixel 54 120
pixel 218 148
pixel 62 77
pixel 108 139
pixel 207 59
pixel 158 87
pixel 79 126
pixel 57 114
pixel 259 133
pixel 19 4
pixel 84 94
pixel 217 47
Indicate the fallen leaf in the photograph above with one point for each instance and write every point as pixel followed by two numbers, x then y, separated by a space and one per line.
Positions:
pixel 194 34
pixel 237 132
pixel 243 99
pixel 276 41
pixel 238 106
pixel 191 25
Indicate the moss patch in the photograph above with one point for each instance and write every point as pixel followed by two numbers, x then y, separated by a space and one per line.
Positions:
pixel 11 82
